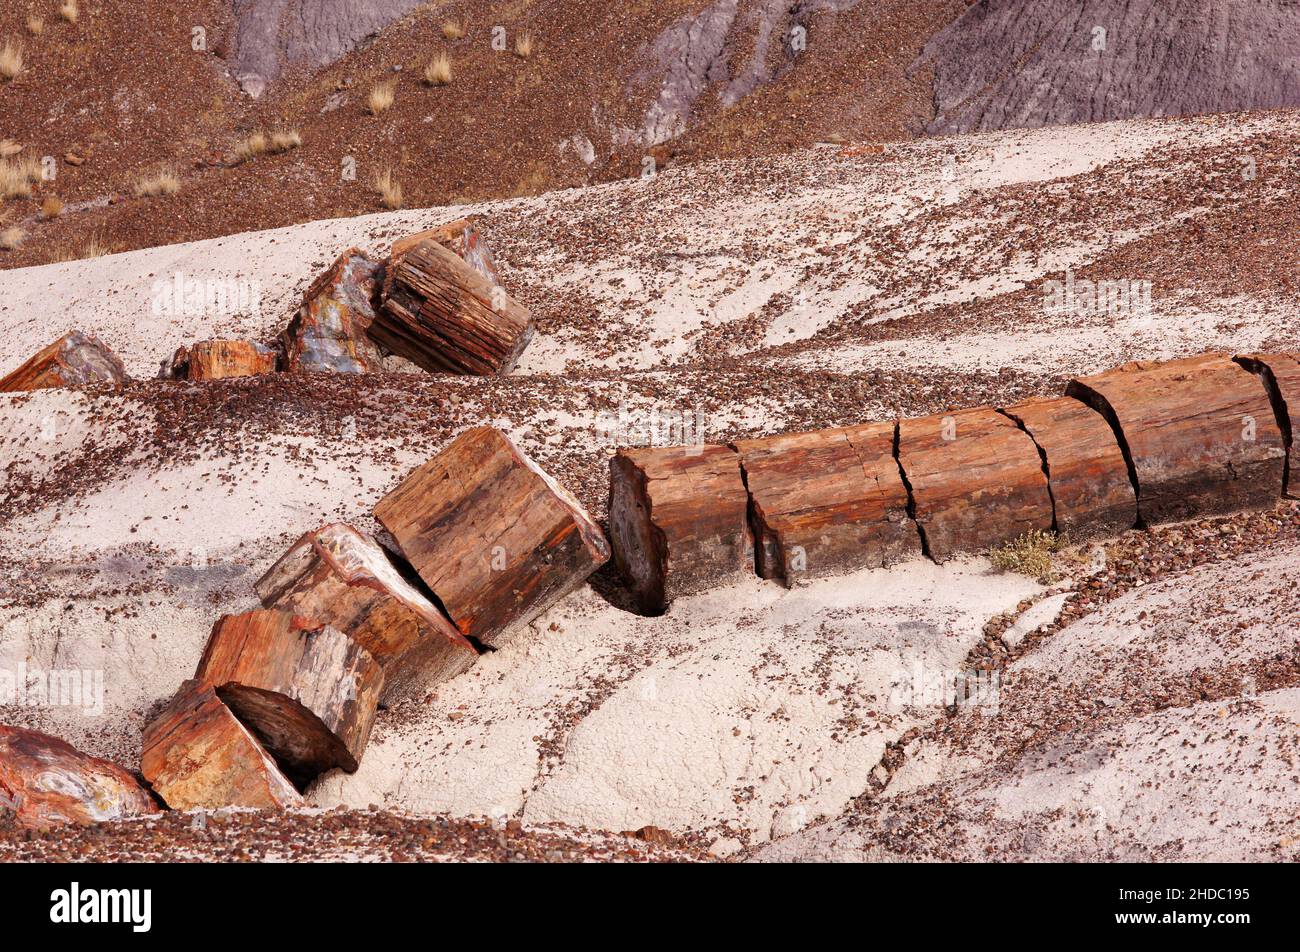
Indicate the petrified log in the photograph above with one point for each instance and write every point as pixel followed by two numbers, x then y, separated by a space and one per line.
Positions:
pixel 1281 375
pixel 45 782
pixel 678 521
pixel 1199 434
pixel 976 480
pixel 497 540
pixel 443 315
pixel 337 576
pixel 74 360
pixel 197 755
pixel 307 691
pixel 219 359
pixel 825 502
pixel 1086 473
pixel 329 331
pixel 461 238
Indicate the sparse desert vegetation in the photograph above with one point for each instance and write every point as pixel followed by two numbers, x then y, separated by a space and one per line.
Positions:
pixel 17 176
pixel 51 207
pixel 11 238
pixel 283 140
pixel 93 247
pixel 453 29
pixel 1029 554
pixel 381 97
pixel 8 147
pixel 69 11
pixel 11 60
pixel 165 182
pixel 438 71
pixel 388 189
pixel 524 45
pixel 251 147
pixel 35 25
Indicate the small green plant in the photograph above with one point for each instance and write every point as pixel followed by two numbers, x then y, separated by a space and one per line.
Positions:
pixel 1030 554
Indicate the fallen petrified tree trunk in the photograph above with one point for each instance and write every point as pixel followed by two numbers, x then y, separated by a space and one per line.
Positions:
pixel 329 331
pixel 220 359
pixel 1199 433
pixel 828 501
pixel 678 521
pixel 1281 375
pixel 1092 493
pixel 197 755
pixel 495 538
pixel 976 480
pixel 444 316
pixel 74 360
pixel 307 690
pixel 461 238
pixel 337 576
pixel 45 782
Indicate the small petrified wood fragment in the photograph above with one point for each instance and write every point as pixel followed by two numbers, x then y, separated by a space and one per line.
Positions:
pixel 307 691
pixel 46 782
pixel 829 501
pixel 976 480
pixel 462 238
pixel 337 576
pixel 74 360
pixel 220 359
pixel 1281 375
pixel 1091 490
pixel 444 316
pixel 1199 434
pixel 328 334
pixel 497 540
pixel 197 755
pixel 678 521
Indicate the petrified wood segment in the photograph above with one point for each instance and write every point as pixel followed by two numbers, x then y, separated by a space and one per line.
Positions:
pixel 1086 472
pixel 678 521
pixel 197 755
pixel 307 691
pixel 329 331
pixel 460 237
pixel 1199 434
pixel 495 538
pixel 219 359
pixel 1281 375
pixel 337 576
pixel 828 501
pixel 46 782
pixel 976 480
pixel 443 315
pixel 74 360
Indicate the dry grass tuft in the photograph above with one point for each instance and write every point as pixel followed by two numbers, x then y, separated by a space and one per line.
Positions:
pixel 17 176
pixel 524 45
pixel 51 207
pixel 438 72
pixel 92 247
pixel 389 189
pixel 164 183
pixel 253 146
pixel 35 25
pixel 1030 554
pixel 285 139
pixel 9 147
pixel 381 97
pixel 11 60
pixel 11 238
pixel 453 30
pixel 69 11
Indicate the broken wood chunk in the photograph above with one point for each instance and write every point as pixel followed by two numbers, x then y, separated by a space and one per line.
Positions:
pixel 337 576
pixel 1199 434
pixel 678 521
pixel 46 782
pixel 74 360
pixel 328 333
pixel 306 690
pixel 220 359
pixel 461 238
pixel 826 502
pixel 444 316
pixel 496 539
pixel 197 755
pixel 1092 493
pixel 1281 375
pixel 976 480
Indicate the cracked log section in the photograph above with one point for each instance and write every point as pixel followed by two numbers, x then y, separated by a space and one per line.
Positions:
pixel 220 359
pixel 46 782
pixel 497 540
pixel 1281 375
pixel 826 502
pixel 461 238
pixel 1088 477
pixel 976 480
pixel 197 755
pixel 74 360
pixel 329 332
pixel 446 317
pixel 678 521
pixel 307 691
pixel 337 576
pixel 1200 434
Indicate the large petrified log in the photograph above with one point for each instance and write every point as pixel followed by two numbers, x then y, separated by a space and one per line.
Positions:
pixel 497 540
pixel 976 480
pixel 678 521
pixel 45 782
pixel 197 755
pixel 443 315
pixel 74 360
pixel 1086 473
pixel 462 238
pixel 337 576
pixel 828 501
pixel 1281 375
pixel 307 691
pixel 220 359
pixel 1199 434
pixel 328 333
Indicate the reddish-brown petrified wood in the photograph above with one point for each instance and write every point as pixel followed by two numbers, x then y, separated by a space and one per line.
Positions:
pixel 462 238
pixel 74 360
pixel 329 332
pixel 219 359
pixel 1281 375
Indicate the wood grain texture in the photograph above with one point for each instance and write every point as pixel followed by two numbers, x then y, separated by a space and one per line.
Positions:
pixel 337 576
pixel 74 360
pixel 495 538
pixel 1280 374
pixel 329 331
pixel 678 521
pixel 197 755
pixel 461 237
pixel 220 359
